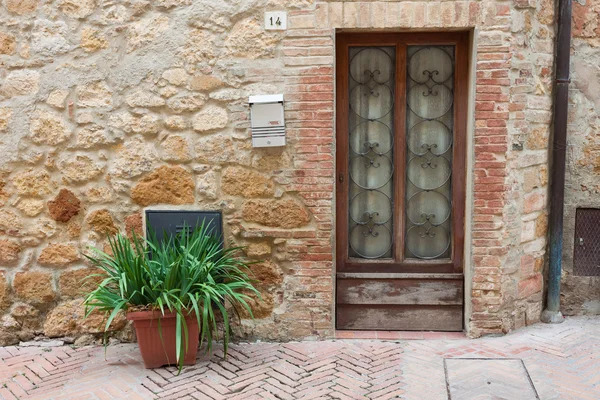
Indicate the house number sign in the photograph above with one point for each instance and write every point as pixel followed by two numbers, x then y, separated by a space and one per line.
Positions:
pixel 276 20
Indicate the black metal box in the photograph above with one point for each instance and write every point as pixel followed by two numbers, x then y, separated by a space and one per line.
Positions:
pixel 172 222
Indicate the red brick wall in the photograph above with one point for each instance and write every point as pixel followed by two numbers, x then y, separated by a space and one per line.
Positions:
pixel 505 268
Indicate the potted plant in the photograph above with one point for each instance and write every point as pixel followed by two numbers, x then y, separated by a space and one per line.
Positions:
pixel 174 290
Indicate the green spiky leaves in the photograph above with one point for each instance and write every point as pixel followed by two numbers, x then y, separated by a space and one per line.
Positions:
pixel 188 273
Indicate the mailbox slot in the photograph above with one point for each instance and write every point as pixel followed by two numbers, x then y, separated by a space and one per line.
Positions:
pixel 267 120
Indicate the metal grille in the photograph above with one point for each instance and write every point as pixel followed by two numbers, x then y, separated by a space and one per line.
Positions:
pixel 371 100
pixel 586 256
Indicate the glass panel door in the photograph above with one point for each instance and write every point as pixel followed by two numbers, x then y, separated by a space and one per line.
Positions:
pixel 429 140
pixel 371 92
pixel 401 104
pixel 400 122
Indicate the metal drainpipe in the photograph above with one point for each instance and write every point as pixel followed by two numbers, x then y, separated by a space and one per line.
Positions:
pixel 552 312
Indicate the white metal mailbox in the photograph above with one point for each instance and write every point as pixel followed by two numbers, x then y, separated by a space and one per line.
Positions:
pixel 267 120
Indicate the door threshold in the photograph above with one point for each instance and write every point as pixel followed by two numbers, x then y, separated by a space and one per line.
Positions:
pixel 400 335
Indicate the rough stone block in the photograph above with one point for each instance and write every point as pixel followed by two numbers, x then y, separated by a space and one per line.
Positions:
pixel 245 182
pixel 21 83
pixel 34 287
pixel 134 224
pixel 267 273
pixel 48 128
pixel 166 185
pixel 78 282
pixel 64 206
pixel 530 286
pixel 260 249
pixel 4 292
pixel 101 221
pixel 210 118
pixel 58 255
pixel 287 213
pixel 21 7
pixel 68 319
pixel 7 43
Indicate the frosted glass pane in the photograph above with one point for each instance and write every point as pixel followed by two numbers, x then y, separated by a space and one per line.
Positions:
pixel 430 124
pixel 371 143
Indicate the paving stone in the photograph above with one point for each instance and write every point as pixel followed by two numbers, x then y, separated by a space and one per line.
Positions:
pixel 554 361
pixel 499 379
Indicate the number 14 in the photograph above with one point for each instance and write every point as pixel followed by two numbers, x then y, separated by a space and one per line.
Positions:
pixel 277 21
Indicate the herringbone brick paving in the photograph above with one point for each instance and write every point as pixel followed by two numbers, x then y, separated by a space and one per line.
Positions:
pixel 563 362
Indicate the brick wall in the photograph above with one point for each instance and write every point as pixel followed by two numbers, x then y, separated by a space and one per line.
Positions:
pixel 106 109
pixel 512 115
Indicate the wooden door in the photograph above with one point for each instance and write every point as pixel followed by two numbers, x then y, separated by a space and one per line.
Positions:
pixel 401 104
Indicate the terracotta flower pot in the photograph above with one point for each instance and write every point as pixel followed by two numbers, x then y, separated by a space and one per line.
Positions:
pixel 157 352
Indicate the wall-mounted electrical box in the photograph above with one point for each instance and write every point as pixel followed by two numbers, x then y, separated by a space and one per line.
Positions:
pixel 172 222
pixel 267 120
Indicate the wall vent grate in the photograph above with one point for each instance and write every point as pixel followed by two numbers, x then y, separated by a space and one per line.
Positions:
pixel 586 256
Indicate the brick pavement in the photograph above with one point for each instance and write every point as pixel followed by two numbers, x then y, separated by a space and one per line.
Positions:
pixel 562 361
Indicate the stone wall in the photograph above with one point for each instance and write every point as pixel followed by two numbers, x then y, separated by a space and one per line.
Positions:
pixel 107 107
pixel 581 294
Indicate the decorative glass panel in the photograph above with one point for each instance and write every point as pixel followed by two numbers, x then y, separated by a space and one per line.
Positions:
pixel 429 126
pixel 371 96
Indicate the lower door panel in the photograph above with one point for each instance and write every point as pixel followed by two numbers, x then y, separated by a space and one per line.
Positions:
pixel 400 301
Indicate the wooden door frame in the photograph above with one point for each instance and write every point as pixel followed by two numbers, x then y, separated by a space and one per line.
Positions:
pixel 400 40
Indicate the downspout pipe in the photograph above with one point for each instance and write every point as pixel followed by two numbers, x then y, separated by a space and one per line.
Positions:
pixel 552 312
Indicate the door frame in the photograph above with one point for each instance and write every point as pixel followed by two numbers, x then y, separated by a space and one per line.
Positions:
pixel 458 180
